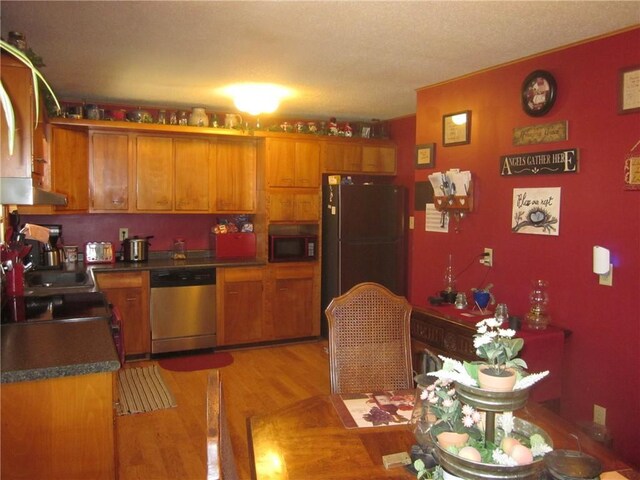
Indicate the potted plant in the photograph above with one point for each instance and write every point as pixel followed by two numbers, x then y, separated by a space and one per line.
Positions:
pixel 7 106
pixel 483 296
pixel 498 347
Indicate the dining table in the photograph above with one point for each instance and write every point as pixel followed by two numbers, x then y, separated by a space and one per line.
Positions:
pixel 308 440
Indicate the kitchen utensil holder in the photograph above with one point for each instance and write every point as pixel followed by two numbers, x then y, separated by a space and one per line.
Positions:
pixel 455 206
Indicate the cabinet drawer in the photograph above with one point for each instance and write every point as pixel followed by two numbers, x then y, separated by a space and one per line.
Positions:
pixel 120 280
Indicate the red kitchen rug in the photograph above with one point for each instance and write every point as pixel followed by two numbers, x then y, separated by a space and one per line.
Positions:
pixel 203 361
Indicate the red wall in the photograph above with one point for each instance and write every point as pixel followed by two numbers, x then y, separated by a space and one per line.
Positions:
pixel 602 359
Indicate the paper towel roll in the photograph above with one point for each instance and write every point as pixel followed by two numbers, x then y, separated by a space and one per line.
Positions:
pixel 601 260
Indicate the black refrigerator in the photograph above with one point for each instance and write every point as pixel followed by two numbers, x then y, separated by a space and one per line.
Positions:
pixel 363 239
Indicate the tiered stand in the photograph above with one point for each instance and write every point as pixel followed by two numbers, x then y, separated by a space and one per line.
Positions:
pixel 492 403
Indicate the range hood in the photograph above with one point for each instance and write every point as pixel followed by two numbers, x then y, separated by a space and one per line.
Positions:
pixel 20 191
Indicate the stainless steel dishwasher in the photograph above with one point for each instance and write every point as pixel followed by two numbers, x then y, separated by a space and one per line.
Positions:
pixel 183 309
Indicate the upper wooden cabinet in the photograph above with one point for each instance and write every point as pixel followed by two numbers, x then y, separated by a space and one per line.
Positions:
pixel 192 177
pixel 154 173
pixel 109 171
pixel 339 157
pixel 235 174
pixel 378 159
pixel 70 168
pixel 293 163
pixel 354 156
pixel 293 207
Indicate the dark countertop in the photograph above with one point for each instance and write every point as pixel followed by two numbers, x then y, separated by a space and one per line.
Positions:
pixel 166 262
pixel 43 350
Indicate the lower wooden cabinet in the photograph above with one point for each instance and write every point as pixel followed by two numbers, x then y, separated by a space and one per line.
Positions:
pixel 59 428
pixel 294 297
pixel 130 293
pixel 240 305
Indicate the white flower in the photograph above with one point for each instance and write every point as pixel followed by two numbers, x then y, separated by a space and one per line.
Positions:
pixel 467 421
pixel 492 322
pixel 506 422
pixel 540 449
pixel 502 458
pixel 529 380
pixel 480 341
pixel 468 410
pixel 506 332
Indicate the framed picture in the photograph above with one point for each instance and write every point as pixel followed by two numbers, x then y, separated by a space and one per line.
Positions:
pixel 456 128
pixel 629 90
pixel 426 155
pixel 538 93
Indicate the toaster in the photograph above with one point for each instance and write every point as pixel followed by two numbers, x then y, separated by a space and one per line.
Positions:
pixel 99 252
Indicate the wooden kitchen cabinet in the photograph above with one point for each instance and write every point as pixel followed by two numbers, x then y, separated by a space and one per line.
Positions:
pixel 109 171
pixel 240 297
pixel 287 206
pixel 130 293
pixel 293 163
pixel 154 173
pixel 342 157
pixel 192 174
pixel 378 159
pixel 294 296
pixel 235 176
pixel 59 428
pixel 70 168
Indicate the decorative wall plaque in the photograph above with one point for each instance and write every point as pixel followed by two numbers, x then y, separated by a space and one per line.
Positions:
pixel 540 163
pixel 533 134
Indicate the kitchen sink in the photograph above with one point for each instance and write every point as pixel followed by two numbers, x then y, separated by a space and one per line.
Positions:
pixel 45 282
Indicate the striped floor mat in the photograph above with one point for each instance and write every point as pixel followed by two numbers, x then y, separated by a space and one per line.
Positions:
pixel 142 390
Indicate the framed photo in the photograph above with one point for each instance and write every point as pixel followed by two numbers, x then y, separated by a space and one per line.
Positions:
pixel 629 90
pixel 426 155
pixel 538 93
pixel 456 128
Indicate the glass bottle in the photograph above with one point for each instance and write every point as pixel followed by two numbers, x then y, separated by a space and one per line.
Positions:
pixel 422 418
pixel 173 119
pixel 182 119
pixel 179 249
pixel 537 318
pixel 162 117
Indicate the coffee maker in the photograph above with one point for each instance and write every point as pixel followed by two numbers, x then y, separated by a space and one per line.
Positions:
pixel 47 255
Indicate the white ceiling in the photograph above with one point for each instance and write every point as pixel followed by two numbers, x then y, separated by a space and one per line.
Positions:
pixel 355 60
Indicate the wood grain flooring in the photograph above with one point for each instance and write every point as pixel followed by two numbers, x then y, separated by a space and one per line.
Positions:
pixel 171 443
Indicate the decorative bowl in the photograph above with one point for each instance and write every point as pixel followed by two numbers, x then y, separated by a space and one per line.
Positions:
pixel 139 116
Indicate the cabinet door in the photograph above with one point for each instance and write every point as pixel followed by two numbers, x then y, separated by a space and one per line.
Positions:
pixel 281 207
pixel 240 298
pixel 130 293
pixel 293 308
pixel 109 170
pixel 70 167
pixel 235 177
pixel 379 159
pixel 342 157
pixel 154 173
pixel 307 164
pixel 192 175
pixel 306 207
pixel 281 156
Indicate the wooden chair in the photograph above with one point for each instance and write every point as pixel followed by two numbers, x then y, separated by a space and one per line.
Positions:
pixel 221 462
pixel 369 340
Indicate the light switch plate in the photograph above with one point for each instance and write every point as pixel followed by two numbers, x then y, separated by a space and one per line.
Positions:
pixel 607 278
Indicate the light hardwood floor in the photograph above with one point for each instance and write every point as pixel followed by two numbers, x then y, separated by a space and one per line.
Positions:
pixel 171 444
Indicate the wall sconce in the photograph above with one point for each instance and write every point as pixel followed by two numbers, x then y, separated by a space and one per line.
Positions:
pixel 602 265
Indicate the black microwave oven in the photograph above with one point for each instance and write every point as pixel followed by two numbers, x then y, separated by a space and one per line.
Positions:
pixel 292 248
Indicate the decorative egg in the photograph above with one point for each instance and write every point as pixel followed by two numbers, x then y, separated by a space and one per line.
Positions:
pixel 470 453
pixel 521 454
pixel 507 444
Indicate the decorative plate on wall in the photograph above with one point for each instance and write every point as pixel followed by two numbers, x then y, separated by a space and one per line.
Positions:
pixel 538 93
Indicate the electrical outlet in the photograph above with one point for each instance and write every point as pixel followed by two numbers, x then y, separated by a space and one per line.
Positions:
pixel 411 222
pixel 599 414
pixel 123 233
pixel 607 278
pixel 487 259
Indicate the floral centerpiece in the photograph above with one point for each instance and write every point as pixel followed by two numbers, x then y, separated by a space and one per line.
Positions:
pixel 508 445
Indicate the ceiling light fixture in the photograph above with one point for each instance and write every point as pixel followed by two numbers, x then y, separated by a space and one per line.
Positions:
pixel 257 98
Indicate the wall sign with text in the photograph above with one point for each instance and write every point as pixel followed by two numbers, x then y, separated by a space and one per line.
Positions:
pixel 540 163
